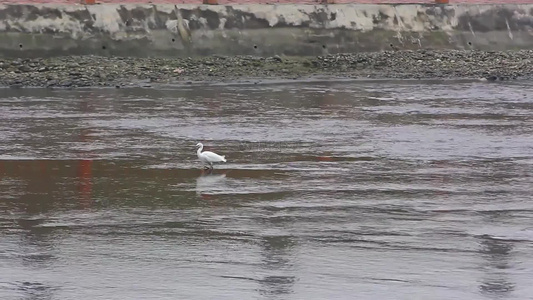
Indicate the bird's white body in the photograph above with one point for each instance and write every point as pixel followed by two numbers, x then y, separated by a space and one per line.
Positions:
pixel 208 157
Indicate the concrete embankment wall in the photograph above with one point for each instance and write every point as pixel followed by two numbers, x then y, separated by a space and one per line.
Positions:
pixel 177 30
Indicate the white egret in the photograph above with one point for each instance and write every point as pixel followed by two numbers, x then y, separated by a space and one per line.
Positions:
pixel 208 157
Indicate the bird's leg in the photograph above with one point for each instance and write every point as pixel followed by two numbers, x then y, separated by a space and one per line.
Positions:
pixel 211 164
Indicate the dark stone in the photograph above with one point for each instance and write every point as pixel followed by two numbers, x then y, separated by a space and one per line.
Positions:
pixel 24 68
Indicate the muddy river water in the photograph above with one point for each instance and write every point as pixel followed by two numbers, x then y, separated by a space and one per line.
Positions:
pixel 332 190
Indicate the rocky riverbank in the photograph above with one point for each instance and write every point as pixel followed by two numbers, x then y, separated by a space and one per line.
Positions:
pixel 93 71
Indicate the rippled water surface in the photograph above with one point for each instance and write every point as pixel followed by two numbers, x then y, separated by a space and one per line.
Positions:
pixel 346 190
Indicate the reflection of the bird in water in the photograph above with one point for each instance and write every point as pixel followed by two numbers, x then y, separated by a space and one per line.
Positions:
pixel 497 253
pixel 209 183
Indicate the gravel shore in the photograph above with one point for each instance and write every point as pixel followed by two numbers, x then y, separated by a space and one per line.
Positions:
pixel 94 71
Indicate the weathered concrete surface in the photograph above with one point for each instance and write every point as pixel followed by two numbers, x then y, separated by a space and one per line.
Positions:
pixel 166 30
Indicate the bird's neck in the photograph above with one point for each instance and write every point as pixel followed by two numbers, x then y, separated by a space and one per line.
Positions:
pixel 199 151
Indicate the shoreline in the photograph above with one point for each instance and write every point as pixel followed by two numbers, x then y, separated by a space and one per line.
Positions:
pixel 104 71
pixel 266 82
